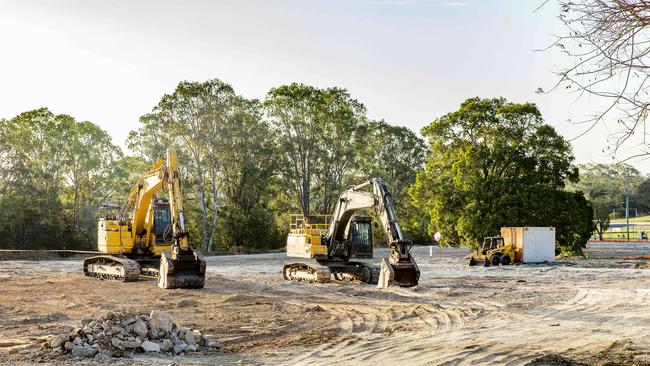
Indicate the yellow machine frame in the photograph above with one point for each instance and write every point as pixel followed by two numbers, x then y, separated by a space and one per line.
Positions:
pixel 305 238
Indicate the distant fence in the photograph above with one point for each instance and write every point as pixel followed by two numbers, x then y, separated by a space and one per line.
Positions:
pixel 41 253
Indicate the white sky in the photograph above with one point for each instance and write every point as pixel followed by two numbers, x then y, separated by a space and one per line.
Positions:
pixel 408 61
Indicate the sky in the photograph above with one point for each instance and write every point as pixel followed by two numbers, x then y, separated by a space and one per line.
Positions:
pixel 408 61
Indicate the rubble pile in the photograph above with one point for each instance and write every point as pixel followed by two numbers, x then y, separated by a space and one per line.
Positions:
pixel 119 335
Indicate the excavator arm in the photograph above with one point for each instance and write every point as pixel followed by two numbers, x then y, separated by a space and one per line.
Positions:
pixel 400 267
pixel 184 267
pixel 171 178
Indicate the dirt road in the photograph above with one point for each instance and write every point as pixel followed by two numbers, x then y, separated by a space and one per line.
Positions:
pixel 571 312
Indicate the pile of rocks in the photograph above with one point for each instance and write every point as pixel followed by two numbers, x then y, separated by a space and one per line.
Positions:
pixel 119 335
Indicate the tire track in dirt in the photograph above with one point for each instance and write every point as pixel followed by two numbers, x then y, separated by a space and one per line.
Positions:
pixel 621 309
pixel 370 333
pixel 586 325
pixel 429 334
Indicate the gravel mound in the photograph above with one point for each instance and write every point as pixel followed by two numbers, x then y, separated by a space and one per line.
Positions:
pixel 120 335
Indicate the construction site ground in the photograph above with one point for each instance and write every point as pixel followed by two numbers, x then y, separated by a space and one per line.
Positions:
pixel 574 311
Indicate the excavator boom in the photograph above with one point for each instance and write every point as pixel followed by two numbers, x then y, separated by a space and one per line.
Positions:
pixel 184 267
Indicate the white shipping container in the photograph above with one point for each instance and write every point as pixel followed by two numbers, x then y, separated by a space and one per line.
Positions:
pixel 533 244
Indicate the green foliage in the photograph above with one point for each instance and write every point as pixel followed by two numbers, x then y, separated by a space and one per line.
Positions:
pixel 245 165
pixel 604 185
pixel 322 131
pixel 494 164
pixel 641 198
pixel 490 164
pixel 55 172
pixel 227 153
pixel 396 154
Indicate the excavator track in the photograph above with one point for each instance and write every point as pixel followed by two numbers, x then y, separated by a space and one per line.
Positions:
pixel 317 273
pixel 357 272
pixel 111 267
pixel 312 273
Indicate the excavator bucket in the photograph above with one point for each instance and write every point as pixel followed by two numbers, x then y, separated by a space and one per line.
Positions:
pixel 403 274
pixel 187 271
pixel 406 274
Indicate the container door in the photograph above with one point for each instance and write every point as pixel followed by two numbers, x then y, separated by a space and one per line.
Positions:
pixel 539 244
pixel 549 247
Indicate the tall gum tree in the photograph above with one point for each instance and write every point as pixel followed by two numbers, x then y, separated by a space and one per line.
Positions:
pixel 190 119
pixel 319 130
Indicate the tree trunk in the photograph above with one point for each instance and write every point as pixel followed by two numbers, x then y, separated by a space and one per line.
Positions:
pixel 204 207
pixel 600 229
pixel 215 206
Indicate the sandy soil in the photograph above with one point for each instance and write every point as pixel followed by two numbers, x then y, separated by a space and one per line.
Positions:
pixel 594 311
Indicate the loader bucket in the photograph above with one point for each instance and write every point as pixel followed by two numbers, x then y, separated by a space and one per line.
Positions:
pixel 187 271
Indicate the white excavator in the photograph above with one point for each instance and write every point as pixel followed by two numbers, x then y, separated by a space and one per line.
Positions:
pixel 348 236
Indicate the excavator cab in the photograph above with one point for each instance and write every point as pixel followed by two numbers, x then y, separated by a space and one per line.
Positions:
pixel 162 221
pixel 361 237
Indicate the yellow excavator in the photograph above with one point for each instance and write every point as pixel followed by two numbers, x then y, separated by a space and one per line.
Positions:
pixel 147 236
pixel 349 236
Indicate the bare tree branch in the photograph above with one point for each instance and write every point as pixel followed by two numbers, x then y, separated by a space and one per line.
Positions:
pixel 609 41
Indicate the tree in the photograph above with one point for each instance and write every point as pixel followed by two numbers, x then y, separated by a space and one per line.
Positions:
pixel 248 147
pixel 91 172
pixel 396 154
pixel 321 130
pixel 493 164
pixel 604 185
pixel 31 207
pixel 229 161
pixel 294 112
pixel 343 133
pixel 190 120
pixel 55 171
pixel 609 43
pixel 641 197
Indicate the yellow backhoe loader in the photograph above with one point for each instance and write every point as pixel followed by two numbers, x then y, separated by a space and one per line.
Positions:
pixel 147 236
pixel 349 236
pixel 493 252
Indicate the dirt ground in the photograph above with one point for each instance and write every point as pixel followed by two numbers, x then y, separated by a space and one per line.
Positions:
pixel 578 311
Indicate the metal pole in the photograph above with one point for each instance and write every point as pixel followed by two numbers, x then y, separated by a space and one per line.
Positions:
pixel 627 208
pixel 627 216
